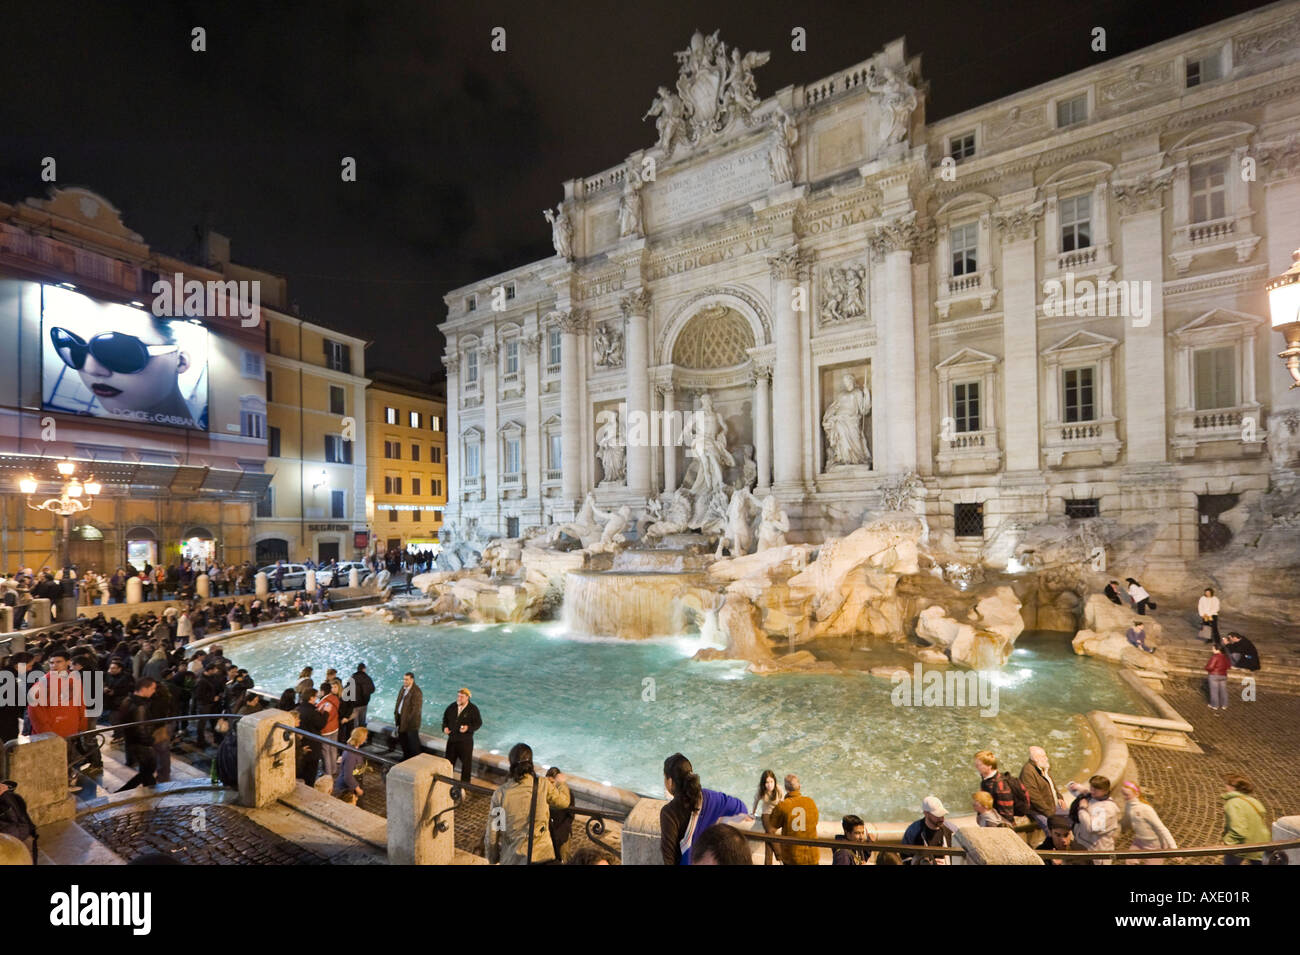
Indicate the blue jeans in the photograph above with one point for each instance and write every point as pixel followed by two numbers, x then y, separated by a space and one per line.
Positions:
pixel 1218 690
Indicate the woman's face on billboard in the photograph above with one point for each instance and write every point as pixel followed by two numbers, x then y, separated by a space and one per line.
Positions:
pixel 120 390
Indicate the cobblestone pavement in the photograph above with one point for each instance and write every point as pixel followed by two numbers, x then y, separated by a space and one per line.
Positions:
pixel 1255 739
pixel 226 837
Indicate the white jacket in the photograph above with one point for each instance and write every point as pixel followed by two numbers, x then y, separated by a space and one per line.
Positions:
pixel 1146 825
pixel 1207 606
pixel 1137 593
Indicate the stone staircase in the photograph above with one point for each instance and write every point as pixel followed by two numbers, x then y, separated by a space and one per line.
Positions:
pixel 1189 662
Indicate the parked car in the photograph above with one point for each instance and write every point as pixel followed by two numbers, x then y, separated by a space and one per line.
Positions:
pixel 295 576
pixel 341 573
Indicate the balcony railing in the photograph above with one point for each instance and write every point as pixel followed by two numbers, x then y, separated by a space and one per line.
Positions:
pixel 1076 259
pixel 1200 233
pixel 554 474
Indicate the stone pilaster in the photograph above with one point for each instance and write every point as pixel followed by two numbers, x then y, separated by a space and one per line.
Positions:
pixel 1279 164
pixel 1018 229
pixel 532 377
pixel 490 509
pixel 1141 203
pixel 451 361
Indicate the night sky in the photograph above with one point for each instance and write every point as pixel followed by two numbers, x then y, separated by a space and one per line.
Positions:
pixel 458 148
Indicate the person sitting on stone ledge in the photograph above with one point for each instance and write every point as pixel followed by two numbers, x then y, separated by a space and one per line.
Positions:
pixel 855 832
pixel 1113 593
pixel 1137 636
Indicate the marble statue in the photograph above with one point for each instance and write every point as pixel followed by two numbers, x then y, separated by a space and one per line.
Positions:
pixel 561 231
pixel 898 100
pixel 652 513
pixel 629 205
pixel 1283 438
pixel 612 453
pixel 706 437
pixel 710 515
pixel 612 534
pixel 772 526
pixel 582 528
pixel 607 347
pixel 842 422
pixel 740 513
pixel 670 121
pixel 780 156
pixel 676 520
pixel 748 469
pixel 715 89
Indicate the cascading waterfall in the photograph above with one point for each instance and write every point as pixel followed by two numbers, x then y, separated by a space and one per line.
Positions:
pixel 628 604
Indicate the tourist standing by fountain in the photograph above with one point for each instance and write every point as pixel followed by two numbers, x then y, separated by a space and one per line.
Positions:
pixel 361 688
pixel 407 716
pixel 459 722
pixel 796 815
pixel 520 798
pixel 769 794
pixel 1141 819
pixel 1208 608
pixel 691 809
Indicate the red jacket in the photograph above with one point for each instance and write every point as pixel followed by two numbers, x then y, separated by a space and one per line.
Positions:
pixel 330 707
pixel 56 704
pixel 1219 665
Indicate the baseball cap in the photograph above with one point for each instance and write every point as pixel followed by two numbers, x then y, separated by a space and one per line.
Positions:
pixel 933 806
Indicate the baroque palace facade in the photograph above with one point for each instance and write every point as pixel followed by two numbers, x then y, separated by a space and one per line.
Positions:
pixel 1051 305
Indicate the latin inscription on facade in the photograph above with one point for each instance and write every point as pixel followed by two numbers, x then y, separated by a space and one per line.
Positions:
pixel 704 188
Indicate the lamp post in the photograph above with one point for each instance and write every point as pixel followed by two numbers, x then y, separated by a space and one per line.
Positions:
pixel 75 497
pixel 1284 307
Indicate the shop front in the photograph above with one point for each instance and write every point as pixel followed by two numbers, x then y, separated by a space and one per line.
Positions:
pixel 199 547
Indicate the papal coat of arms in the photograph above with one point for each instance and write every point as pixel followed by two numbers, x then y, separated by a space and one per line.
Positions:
pixel 715 90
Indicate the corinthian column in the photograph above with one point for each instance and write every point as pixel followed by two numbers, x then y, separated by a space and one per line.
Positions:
pixel 454 488
pixel 669 433
pixel 895 381
pixel 572 325
pixel 636 309
pixel 763 425
pixel 788 270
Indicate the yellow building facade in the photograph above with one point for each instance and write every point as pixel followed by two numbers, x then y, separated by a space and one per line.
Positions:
pixel 406 462
pixel 315 507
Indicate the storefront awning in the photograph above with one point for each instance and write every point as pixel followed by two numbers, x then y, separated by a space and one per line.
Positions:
pixel 124 478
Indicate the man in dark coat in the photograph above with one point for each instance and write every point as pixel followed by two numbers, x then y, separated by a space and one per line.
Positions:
pixel 308 750
pixel 361 688
pixel 139 739
pixel 407 715
pixel 1241 651
pixel 208 693
pixel 460 720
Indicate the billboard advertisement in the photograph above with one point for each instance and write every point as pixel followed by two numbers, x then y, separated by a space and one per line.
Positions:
pixel 122 363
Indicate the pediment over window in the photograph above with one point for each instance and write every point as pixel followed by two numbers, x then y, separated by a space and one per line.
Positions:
pixel 472 434
pixel 968 356
pixel 1082 340
pixel 1078 172
pixel 968 203
pixel 1221 319
pixel 552 422
pixel 1216 136
pixel 511 428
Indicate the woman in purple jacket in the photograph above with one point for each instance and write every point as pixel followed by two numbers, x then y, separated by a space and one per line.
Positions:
pixel 691 809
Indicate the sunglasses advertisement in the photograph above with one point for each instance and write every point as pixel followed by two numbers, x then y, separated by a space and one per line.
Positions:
pixel 113 361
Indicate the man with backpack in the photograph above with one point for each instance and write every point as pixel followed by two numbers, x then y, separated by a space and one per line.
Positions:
pixel 1009 796
pixel 1095 816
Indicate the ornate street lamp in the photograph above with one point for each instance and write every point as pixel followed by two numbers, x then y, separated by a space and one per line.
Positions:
pixel 75 497
pixel 1284 306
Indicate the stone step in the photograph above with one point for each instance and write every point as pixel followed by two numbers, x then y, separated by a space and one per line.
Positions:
pixel 1188 657
pixel 1263 678
pixel 66 843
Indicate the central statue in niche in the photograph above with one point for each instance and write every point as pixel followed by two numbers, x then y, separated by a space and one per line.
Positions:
pixel 706 435
pixel 846 442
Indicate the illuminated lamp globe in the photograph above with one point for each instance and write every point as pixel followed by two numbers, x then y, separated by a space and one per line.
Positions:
pixel 93 487
pixel 66 467
pixel 1284 309
pixel 74 489
pixel 27 485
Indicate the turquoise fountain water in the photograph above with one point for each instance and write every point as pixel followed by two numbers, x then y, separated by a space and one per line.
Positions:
pixel 611 710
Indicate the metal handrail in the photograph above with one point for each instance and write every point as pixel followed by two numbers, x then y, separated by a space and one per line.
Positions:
pixel 1274 850
pixel 290 728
